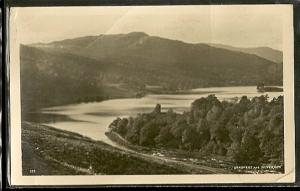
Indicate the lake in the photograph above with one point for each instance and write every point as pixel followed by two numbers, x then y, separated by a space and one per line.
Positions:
pixel 94 118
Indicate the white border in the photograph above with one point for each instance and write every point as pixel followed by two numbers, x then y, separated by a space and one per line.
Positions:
pixel 289 141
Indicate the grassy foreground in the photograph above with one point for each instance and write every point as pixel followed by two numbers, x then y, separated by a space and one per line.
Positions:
pixel 50 151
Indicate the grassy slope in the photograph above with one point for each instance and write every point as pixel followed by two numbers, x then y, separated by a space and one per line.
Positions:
pixel 49 151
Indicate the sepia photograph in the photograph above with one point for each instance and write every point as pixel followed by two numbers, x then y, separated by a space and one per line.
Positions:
pixel 130 94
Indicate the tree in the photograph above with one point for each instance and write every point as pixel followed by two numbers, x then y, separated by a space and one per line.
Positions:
pixel 164 136
pixel 121 126
pixel 133 131
pixel 190 138
pixel 249 152
pixel 148 133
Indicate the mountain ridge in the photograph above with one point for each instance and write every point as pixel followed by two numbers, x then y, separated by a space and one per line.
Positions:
pixel 277 54
pixel 124 65
pixel 266 52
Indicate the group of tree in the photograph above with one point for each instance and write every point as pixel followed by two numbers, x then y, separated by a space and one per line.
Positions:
pixel 248 132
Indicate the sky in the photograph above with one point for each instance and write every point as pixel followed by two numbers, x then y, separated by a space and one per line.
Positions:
pixel 241 26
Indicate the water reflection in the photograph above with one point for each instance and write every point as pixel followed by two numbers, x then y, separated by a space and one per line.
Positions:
pixel 92 119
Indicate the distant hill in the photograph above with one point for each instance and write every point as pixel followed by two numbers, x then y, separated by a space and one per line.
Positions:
pixel 54 78
pixel 122 65
pixel 264 52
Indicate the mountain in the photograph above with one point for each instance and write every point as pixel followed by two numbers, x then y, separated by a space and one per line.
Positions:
pixel 156 54
pixel 54 78
pixel 264 52
pixel 94 68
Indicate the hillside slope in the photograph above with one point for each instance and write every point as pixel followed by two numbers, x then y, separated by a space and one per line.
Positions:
pixel 264 52
pixel 101 67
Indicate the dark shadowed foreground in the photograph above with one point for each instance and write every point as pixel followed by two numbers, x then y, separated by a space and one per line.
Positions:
pixel 49 151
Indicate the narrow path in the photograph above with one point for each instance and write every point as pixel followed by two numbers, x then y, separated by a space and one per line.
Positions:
pixel 193 168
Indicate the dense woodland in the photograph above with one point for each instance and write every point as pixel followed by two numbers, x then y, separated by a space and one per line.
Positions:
pixel 249 132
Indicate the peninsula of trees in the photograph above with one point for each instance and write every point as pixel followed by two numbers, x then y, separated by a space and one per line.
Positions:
pixel 248 132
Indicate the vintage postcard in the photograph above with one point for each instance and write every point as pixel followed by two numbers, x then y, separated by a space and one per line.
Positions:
pixel 151 95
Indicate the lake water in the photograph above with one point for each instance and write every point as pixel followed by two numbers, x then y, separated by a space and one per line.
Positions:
pixel 94 118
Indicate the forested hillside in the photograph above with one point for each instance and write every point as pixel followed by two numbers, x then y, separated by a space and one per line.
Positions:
pixel 249 132
pixel 112 66
pixel 205 65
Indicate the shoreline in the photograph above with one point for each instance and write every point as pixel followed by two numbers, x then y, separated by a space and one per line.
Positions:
pixel 44 158
pixel 115 137
pixel 186 161
pixel 140 153
pixel 139 133
pixel 51 151
pixel 184 92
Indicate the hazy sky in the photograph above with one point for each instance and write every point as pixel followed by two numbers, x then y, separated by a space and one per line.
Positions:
pixel 243 26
